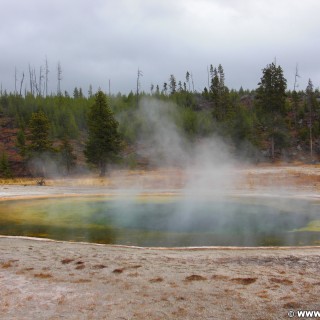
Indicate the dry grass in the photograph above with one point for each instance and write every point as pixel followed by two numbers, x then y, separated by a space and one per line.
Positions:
pixel 264 175
pixel 8 264
pixel 77 181
pixel 298 176
pixel 18 181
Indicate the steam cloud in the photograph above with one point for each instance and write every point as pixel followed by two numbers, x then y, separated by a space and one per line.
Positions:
pixel 208 163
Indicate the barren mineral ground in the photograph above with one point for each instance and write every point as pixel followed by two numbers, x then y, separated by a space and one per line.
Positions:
pixel 45 279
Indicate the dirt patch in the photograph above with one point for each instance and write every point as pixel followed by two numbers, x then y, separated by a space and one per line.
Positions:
pixel 66 261
pixel 244 281
pixel 219 277
pixel 118 270
pixel 281 281
pixel 154 280
pixel 43 275
pixel 99 266
pixel 292 305
pixel 195 277
pixel 80 267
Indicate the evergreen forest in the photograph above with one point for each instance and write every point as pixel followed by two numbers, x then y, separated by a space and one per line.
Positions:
pixel 270 123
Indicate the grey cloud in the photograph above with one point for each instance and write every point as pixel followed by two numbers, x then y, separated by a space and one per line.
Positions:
pixel 100 40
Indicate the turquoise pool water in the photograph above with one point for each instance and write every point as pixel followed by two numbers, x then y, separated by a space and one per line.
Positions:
pixel 166 221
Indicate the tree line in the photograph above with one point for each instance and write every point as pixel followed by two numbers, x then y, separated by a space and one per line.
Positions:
pixel 269 122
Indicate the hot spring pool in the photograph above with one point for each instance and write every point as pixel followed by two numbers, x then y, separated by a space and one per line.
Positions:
pixel 166 221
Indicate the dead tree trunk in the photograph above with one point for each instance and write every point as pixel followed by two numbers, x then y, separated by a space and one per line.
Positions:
pixel 21 83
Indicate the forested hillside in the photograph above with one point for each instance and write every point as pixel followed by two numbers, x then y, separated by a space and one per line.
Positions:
pixel 266 124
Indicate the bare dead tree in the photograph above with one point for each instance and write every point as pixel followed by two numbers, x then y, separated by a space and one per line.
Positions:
pixel 21 83
pixel 59 74
pixel 296 76
pixel 35 82
pixel 34 86
pixel 31 80
pixel 41 77
pixel 46 75
pixel 140 74
pixel 188 79
pixel 295 95
pixel 310 94
pixel 191 75
pixel 15 80
pixel 40 80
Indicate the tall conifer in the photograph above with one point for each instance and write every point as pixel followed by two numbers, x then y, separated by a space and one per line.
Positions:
pixel 104 143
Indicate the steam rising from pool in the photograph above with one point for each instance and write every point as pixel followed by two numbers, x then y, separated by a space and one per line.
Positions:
pixel 206 163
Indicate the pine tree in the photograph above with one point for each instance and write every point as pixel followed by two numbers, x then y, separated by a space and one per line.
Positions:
pixel 165 88
pixel 21 143
pixel 310 103
pixel 39 127
pixel 5 170
pixel 215 85
pixel 271 92
pixel 80 93
pixel 40 146
pixel 223 93
pixel 271 99
pixel 68 158
pixel 219 93
pixel 188 79
pixel 157 90
pixel 75 93
pixel 221 76
pixel 90 92
pixel 104 143
pixel 172 84
pixel 215 92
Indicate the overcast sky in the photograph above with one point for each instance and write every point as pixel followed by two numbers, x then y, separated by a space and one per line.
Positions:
pixel 98 40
